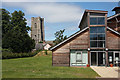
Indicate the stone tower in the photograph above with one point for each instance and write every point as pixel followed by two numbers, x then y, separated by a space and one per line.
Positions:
pixel 37 29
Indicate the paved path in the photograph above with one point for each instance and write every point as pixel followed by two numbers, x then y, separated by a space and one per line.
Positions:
pixel 106 72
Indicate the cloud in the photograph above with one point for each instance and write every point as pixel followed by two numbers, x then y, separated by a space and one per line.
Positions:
pixel 55 12
pixel 52 12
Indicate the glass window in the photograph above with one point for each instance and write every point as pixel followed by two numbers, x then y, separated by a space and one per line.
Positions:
pixel 93 36
pixel 97 37
pixel 93 20
pixel 101 44
pixel 100 29
pixel 93 30
pixel 93 43
pixel 101 20
pixel 101 36
pixel 97 29
pixel 97 20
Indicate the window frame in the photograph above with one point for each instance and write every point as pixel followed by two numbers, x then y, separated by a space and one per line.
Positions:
pixel 92 16
pixel 98 40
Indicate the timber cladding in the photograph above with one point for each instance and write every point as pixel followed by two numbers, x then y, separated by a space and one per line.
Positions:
pixel 113 40
pixel 61 59
pixel 61 55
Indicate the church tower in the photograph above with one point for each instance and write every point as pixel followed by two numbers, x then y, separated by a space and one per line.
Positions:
pixel 37 29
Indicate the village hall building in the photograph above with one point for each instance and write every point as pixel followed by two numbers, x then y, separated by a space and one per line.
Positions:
pixel 97 43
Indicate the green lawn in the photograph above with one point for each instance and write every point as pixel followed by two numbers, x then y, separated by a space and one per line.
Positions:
pixel 41 67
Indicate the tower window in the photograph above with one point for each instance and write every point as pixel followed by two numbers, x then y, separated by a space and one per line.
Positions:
pixel 35 25
pixel 35 35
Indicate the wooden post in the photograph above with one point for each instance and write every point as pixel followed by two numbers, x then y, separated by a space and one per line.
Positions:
pixel 106 58
pixel 89 57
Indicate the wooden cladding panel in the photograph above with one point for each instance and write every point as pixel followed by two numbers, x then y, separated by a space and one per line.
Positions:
pixel 60 59
pixel 80 42
pixel 113 40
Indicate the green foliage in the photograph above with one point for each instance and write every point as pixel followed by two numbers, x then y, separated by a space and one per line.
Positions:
pixel 6 54
pixel 6 51
pixel 46 52
pixel 41 42
pixel 15 32
pixel 5 21
pixel 59 36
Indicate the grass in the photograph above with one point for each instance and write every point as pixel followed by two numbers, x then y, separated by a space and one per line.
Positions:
pixel 41 67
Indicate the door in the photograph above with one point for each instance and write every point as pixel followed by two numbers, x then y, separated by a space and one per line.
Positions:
pixel 93 58
pixel 101 59
pixel 98 58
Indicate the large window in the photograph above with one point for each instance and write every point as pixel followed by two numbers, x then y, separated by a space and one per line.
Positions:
pixel 97 20
pixel 97 37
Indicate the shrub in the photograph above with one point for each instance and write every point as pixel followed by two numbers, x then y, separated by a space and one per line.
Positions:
pixel 6 51
pixel 6 55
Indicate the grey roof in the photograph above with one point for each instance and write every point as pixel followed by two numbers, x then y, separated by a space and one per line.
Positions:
pixel 75 34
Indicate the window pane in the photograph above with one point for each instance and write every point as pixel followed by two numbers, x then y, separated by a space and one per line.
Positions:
pixel 93 36
pixel 97 20
pixel 93 29
pixel 93 43
pixel 101 36
pixel 93 20
pixel 100 29
pixel 101 44
pixel 101 20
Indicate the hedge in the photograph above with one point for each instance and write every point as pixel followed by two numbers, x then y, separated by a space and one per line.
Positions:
pixel 10 55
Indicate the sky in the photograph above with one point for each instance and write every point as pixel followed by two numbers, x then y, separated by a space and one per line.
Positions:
pixel 58 15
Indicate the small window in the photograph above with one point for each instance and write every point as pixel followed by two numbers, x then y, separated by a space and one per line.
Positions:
pixel 35 35
pixel 35 25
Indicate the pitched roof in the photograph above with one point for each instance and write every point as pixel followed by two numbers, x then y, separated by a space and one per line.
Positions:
pixel 116 8
pixel 113 16
pixel 75 34
pixel 113 30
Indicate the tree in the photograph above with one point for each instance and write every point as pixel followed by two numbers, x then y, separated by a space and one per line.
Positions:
pixel 5 21
pixel 17 38
pixel 6 27
pixel 59 36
